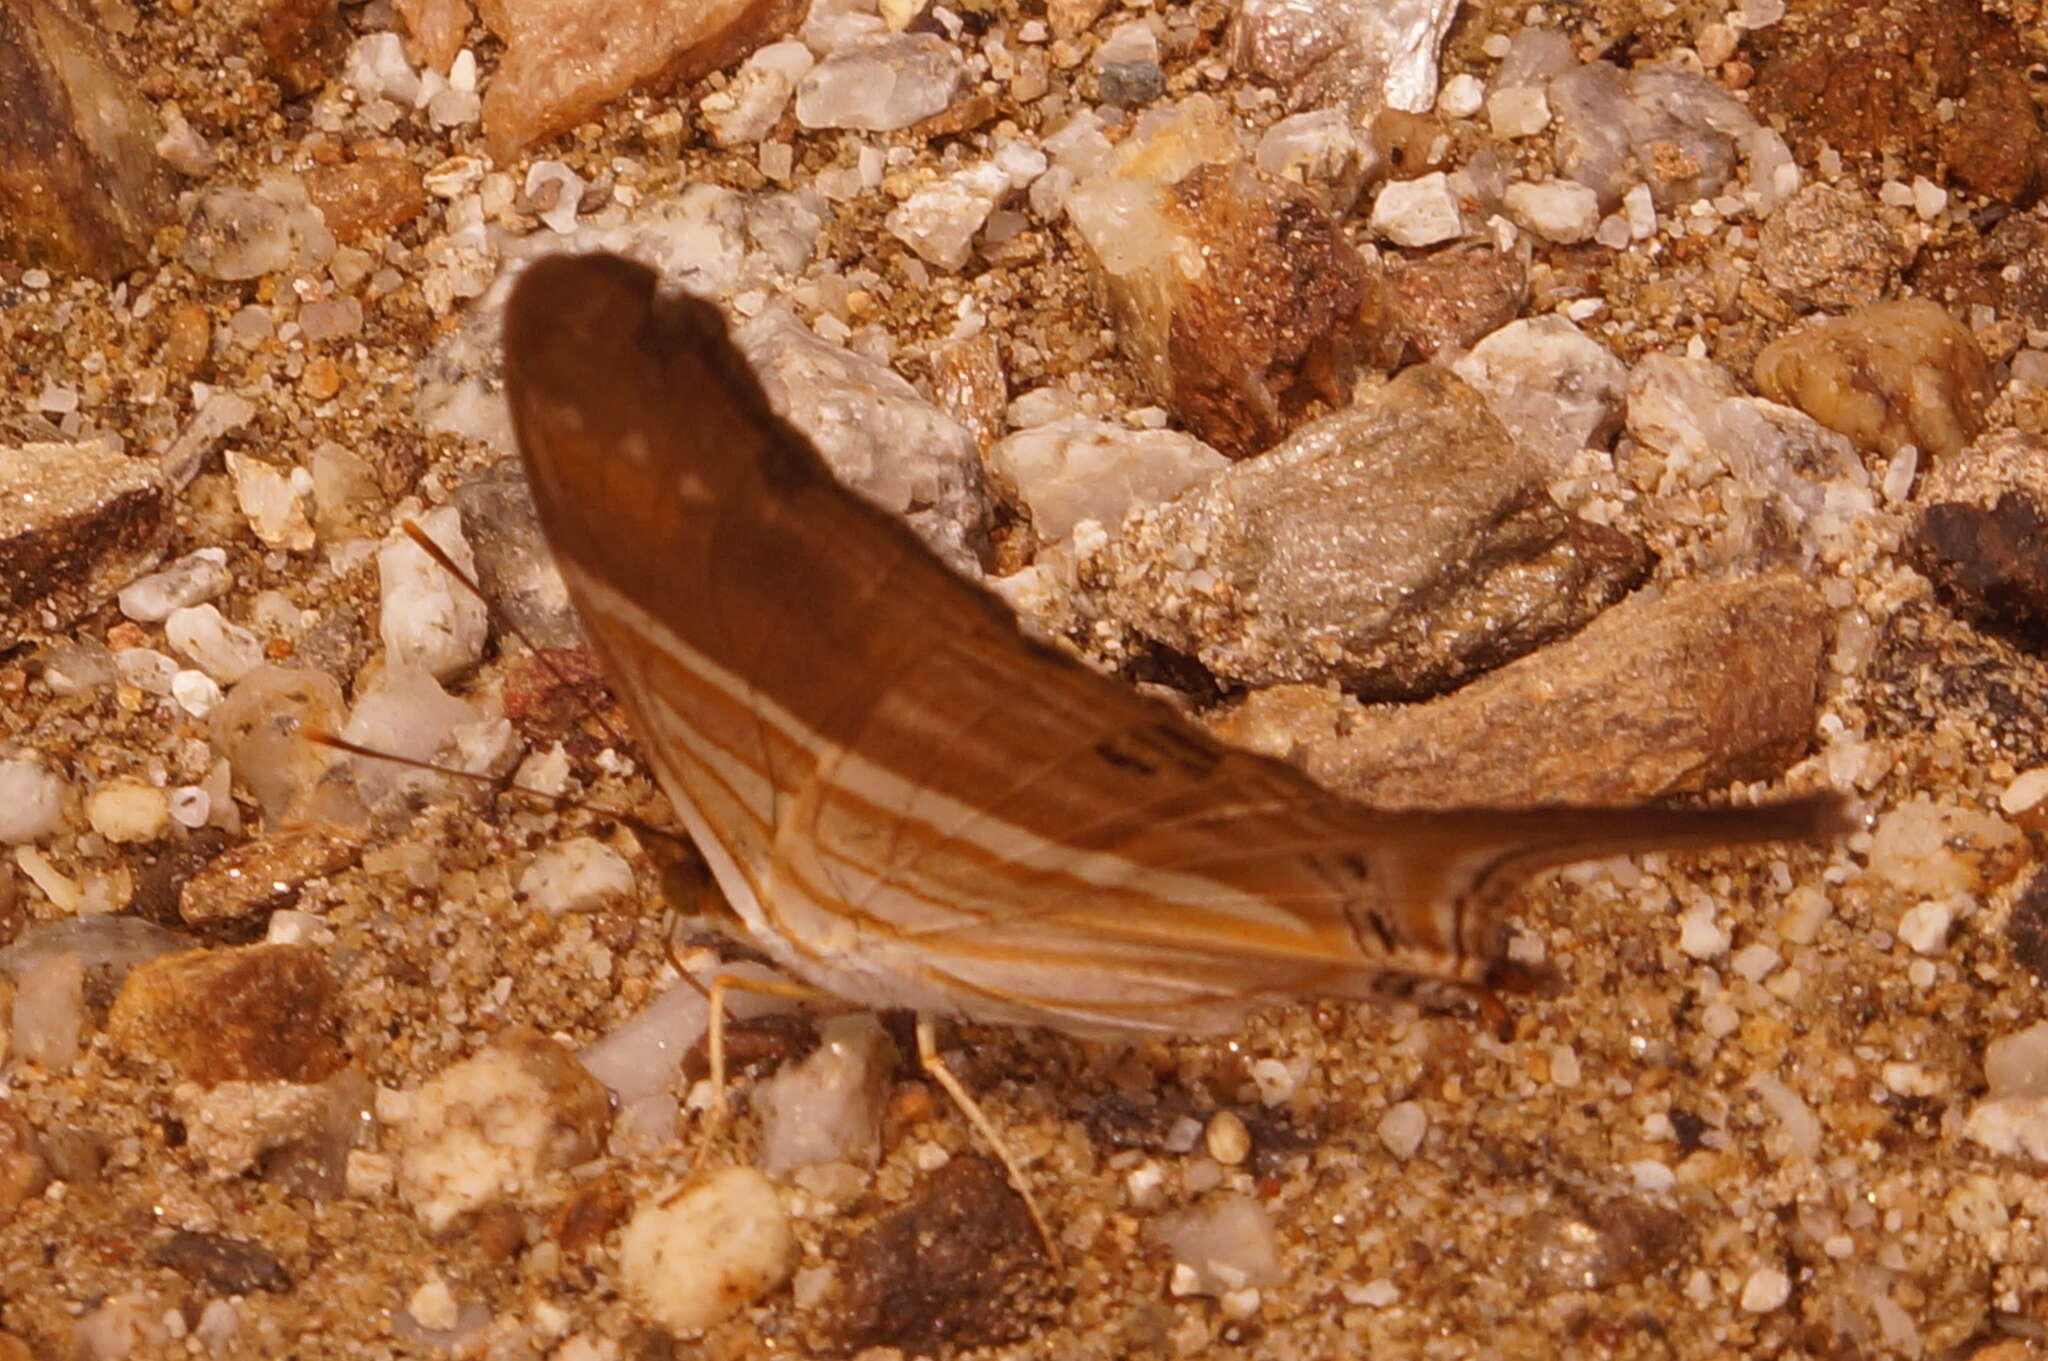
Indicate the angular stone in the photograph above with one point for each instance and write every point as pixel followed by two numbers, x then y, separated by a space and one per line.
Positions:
pixel 1664 694
pixel 266 873
pixel 878 435
pixel 261 729
pixel 566 59
pixel 1443 301
pixel 77 523
pixel 1237 346
pixel 372 194
pixel 1371 52
pixel 1657 125
pixel 1398 548
pixel 969 385
pixel 1888 375
pixel 945 1271
pixel 1830 248
pixel 82 188
pixel 1078 469
pixel 486 1129
pixel 251 1013
pixel 436 29
pixel 513 564
pixel 881 85
pixel 1554 387
pixel 1982 536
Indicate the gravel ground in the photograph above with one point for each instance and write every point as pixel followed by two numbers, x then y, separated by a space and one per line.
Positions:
pixel 1748 1121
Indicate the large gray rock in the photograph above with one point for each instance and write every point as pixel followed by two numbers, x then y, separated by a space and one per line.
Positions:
pixel 1399 548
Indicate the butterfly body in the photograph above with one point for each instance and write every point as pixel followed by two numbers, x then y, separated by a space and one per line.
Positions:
pixel 906 801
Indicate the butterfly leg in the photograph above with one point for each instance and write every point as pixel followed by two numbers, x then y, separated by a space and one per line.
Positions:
pixel 928 1057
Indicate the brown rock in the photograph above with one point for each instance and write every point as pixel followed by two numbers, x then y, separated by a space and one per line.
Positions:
pixel 1888 375
pixel 1662 695
pixel 226 1266
pixel 947 1270
pixel 298 43
pixel 1866 77
pixel 1397 548
pixel 371 195
pixel 260 876
pixel 1990 563
pixel 1995 146
pixel 566 59
pixel 77 523
pixel 1071 17
pixel 1829 248
pixel 23 1169
pixel 251 1013
pixel 968 385
pixel 2026 930
pixel 261 728
pixel 2005 269
pixel 435 30
pixel 1418 308
pixel 81 186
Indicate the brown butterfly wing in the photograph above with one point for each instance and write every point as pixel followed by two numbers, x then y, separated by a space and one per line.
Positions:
pixel 901 787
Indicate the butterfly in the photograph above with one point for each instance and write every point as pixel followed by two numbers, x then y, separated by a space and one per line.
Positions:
pixel 910 803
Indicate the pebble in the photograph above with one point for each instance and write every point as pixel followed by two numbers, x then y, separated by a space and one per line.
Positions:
pixel 1887 375
pixel 575 875
pixel 1554 386
pixel 1402 1128
pixel 698 1254
pixel 1924 929
pixel 1766 1289
pixel 24 1171
pixel 266 873
pixel 190 580
pixel 1556 210
pixel 1828 247
pixel 1409 504
pixel 258 729
pixel 940 220
pixel 1517 112
pixel 828 1108
pixel 1344 51
pixel 1462 96
pixel 49 1011
pixel 226 652
pixel 426 618
pixel 1417 212
pixel 881 85
pixel 128 811
pixel 1065 471
pixel 1226 1242
pixel 1938 851
pixel 753 100
pixel 2025 791
pixel 244 1013
pixel 197 693
pixel 1227 1139
pixel 31 801
pixel 1700 935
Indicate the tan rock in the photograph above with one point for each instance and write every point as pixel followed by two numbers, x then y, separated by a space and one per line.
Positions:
pixel 81 185
pixel 566 59
pixel 435 30
pixel 266 873
pixel 372 194
pixel 253 1013
pixel 1661 695
pixel 1887 375
pixel 77 523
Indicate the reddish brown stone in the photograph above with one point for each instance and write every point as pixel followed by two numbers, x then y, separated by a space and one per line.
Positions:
pixel 298 43
pixel 947 1270
pixel 374 194
pixel 253 1013
pixel 435 30
pixel 566 59
pixel 1995 146
pixel 1865 77
pixel 77 523
pixel 2005 269
pixel 267 873
pixel 81 186
pixel 1419 308
pixel 1268 327
pixel 23 1170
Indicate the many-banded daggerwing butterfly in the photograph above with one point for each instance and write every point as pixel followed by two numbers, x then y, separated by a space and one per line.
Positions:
pixel 911 804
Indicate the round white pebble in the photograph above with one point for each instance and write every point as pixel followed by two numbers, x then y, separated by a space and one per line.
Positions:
pixel 1766 1289
pixel 191 805
pixel 697 1256
pixel 1462 96
pixel 127 811
pixel 31 802
pixel 1402 1127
